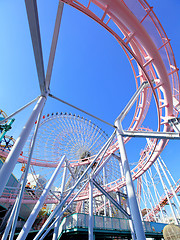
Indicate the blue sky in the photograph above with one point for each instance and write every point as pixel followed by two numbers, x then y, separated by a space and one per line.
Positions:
pixel 90 70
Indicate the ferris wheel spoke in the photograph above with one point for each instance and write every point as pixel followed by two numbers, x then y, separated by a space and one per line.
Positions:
pixel 96 140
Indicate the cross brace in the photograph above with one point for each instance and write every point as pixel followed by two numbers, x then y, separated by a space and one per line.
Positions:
pixel 111 199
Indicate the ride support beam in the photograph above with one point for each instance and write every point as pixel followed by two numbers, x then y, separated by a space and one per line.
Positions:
pixel 132 101
pixel 111 199
pixel 17 205
pixel 27 226
pixel 124 194
pixel 19 110
pixel 54 44
pixel 159 135
pixel 91 220
pixel 32 13
pixel 12 158
pixel 56 227
pixel 136 227
pixel 134 209
pixel 60 213
pixel 104 183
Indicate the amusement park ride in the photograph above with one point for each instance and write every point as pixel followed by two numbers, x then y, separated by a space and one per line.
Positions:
pixel 92 174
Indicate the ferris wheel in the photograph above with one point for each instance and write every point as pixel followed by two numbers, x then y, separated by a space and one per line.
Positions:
pixel 73 136
pixel 66 134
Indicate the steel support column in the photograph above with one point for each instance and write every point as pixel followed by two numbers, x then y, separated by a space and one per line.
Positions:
pixel 60 214
pixel 134 209
pixel 19 110
pixel 27 226
pixel 56 227
pixel 12 158
pixel 127 203
pixel 16 208
pixel 91 222
pixel 111 199
pixel 104 183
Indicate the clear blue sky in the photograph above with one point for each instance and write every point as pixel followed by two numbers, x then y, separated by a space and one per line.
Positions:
pixel 90 71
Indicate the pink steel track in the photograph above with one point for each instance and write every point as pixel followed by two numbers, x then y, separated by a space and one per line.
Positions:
pixel 140 48
pixel 155 62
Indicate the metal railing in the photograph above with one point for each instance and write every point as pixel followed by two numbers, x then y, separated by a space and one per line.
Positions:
pixel 80 220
